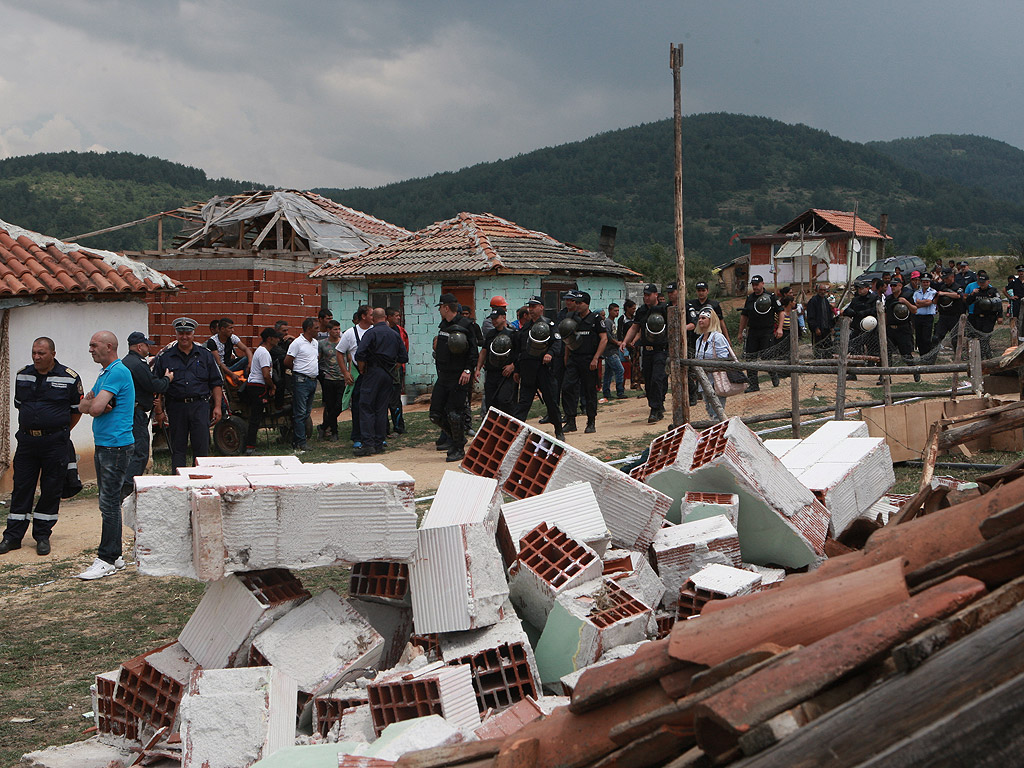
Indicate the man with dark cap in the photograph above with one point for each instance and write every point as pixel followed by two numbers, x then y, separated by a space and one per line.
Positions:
pixel 378 356
pixel 672 289
pixel 949 298
pixel 650 326
pixel 582 354
pixel 558 364
pixel 497 360
pixel 985 309
pixel 862 306
pixel 1014 292
pixel 192 403
pixel 758 319
pixel 455 354
pixel 923 298
pixel 46 395
pixel 964 276
pixel 900 310
pixel 146 386
pixel 820 321
pixel 537 345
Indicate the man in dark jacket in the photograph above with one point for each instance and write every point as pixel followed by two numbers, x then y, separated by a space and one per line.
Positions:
pixel 537 346
pixel 582 355
pixel 821 321
pixel 758 318
pixel 862 306
pixel 378 355
pixel 455 353
pixel 146 385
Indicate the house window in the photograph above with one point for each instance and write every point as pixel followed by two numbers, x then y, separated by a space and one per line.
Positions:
pixel 864 256
pixel 551 293
pixel 388 297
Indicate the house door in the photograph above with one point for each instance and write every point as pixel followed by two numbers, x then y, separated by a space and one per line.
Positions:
pixel 464 295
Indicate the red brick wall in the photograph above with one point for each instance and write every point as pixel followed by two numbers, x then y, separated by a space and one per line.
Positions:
pixel 253 298
pixel 760 253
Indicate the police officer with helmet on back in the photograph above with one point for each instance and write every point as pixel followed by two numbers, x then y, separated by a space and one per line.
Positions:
pixel 537 346
pixel 949 297
pixel 900 310
pixel 985 309
pixel 861 311
pixel 497 360
pixel 758 319
pixel 584 346
pixel 455 355
pixel 650 326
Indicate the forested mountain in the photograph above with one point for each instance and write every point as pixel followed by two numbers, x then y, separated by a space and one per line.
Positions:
pixel 976 161
pixel 742 175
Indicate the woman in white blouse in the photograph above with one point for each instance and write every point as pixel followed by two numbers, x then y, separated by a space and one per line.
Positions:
pixel 711 344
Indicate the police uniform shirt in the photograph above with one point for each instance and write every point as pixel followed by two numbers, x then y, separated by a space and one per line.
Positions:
pixel 589 330
pixel 947 305
pixel 640 319
pixel 760 320
pixel 991 292
pixel 490 336
pixel 521 341
pixel 891 302
pixel 444 359
pixel 861 306
pixel 922 294
pixel 47 400
pixel 381 347
pixel 195 374
pixel 1015 287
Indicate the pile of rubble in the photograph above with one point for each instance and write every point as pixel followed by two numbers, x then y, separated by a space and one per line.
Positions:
pixel 552 611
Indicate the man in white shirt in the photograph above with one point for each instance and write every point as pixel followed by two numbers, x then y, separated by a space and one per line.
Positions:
pixel 303 358
pixel 346 351
pixel 259 387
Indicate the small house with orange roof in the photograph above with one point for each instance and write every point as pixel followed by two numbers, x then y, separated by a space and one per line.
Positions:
pixel 817 245
pixel 474 256
pixel 67 293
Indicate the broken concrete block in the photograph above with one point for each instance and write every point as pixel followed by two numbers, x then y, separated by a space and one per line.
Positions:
pixel 639 579
pixel 585 622
pixel 114 724
pixel 779 447
pixel 91 753
pixel 500 660
pixel 246 462
pixel 715 582
pixel 457 577
pixel 331 709
pixel 834 431
pixel 230 718
pixel 150 686
pixel 697 505
pixel 393 622
pixel 321 643
pixel 208 552
pixel 780 520
pixel 682 550
pixel 549 562
pixel 770 577
pixel 234 610
pixel 433 690
pixel 380 581
pixel 574 509
pixel 527 462
pixel 673 447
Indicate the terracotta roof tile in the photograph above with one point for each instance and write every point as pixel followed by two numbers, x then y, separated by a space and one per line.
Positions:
pixel 32 265
pixel 471 242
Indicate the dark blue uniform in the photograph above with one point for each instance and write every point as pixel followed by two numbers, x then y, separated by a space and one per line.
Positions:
pixel 187 402
pixel 146 385
pixel 537 376
pixel 448 400
pixel 46 404
pixel 381 351
pixel 654 358
pixel 580 381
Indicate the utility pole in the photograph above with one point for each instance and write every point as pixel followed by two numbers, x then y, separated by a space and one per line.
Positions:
pixel 678 352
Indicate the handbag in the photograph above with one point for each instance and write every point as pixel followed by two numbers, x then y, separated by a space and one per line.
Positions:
pixel 728 383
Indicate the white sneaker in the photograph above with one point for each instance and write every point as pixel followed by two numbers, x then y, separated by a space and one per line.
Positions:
pixel 119 564
pixel 97 570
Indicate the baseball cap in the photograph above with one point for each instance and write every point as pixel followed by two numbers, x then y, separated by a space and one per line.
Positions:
pixel 1019 267
pixel 498 311
pixel 947 271
pixel 650 288
pixel 185 324
pixel 701 284
pixel 672 287
pixel 915 273
pixel 138 337
pixel 535 300
pixel 861 283
pixel 447 298
pixel 895 281
pixel 982 274
pixel 962 264
pixel 498 301
pixel 756 279
pixel 583 296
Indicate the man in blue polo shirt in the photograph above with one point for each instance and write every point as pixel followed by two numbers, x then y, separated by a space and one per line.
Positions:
pixel 111 403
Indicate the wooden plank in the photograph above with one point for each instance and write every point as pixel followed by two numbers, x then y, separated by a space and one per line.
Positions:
pixel 888 713
pixel 794 378
pixel 844 351
pixel 974 361
pixel 958 350
pixel 883 346
pixel 455 754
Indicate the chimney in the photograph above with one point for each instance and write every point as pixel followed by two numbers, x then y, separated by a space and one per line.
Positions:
pixel 607 243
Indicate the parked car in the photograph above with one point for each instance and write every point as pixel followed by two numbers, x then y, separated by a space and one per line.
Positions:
pixel 907 264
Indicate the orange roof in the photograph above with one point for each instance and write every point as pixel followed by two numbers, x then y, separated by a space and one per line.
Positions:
pixel 471 242
pixel 35 265
pixel 843 221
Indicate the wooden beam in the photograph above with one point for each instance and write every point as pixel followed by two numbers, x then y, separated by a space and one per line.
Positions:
pixel 958 349
pixel 794 378
pixel 844 350
pixel 974 361
pixel 883 347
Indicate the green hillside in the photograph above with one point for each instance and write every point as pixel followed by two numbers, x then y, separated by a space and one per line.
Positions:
pixel 742 175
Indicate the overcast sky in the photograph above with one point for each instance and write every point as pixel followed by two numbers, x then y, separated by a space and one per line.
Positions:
pixel 343 93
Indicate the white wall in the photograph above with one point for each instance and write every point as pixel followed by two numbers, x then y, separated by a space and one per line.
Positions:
pixel 71 325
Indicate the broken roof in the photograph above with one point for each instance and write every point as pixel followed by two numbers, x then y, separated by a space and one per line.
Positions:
pixel 823 223
pixel 471 243
pixel 323 225
pixel 32 264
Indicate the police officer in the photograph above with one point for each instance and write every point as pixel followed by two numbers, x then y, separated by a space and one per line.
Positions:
pixel 455 354
pixel 192 403
pixel 537 346
pixel 497 360
pixel 146 385
pixel 1014 292
pixel 46 395
pixel 985 308
pixel 964 276
pixel 950 300
pixel 861 306
pixel 558 364
pixel 650 326
pixel 900 309
pixel 379 355
pixel 583 350
pixel 923 297
pixel 758 319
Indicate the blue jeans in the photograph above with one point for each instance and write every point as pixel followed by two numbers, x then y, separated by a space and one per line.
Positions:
pixel 613 366
pixel 303 389
pixel 111 466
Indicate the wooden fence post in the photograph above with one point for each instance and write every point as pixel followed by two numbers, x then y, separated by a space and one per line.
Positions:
pixel 958 352
pixel 883 351
pixel 794 377
pixel 974 361
pixel 844 351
